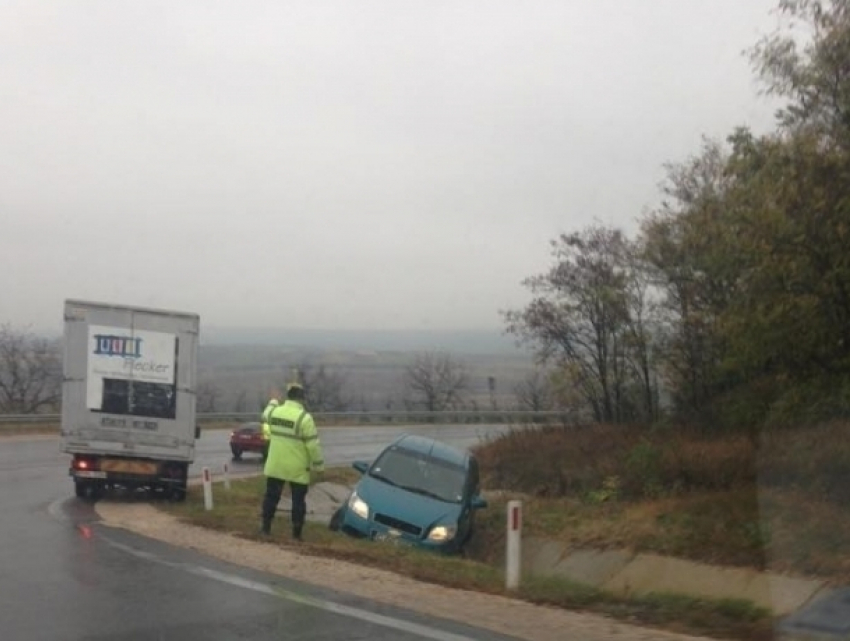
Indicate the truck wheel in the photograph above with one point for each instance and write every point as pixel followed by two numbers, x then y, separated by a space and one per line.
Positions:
pixel 89 491
pixel 177 493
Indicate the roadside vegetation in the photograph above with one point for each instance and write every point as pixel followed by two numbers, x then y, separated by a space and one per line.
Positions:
pixel 776 503
pixel 28 429
pixel 729 309
pixel 236 512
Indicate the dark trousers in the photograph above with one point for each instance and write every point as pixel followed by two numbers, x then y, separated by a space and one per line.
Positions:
pixel 274 489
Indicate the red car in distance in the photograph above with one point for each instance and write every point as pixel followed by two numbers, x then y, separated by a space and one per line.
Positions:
pixel 248 437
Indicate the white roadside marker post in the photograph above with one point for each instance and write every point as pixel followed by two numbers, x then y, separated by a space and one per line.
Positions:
pixel 226 467
pixel 208 498
pixel 513 545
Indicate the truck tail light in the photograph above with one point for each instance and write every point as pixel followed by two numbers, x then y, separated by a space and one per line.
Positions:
pixel 85 464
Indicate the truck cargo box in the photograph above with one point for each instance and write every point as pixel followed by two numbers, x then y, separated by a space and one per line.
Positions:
pixel 128 395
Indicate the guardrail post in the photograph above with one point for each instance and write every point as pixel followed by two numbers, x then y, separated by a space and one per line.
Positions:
pixel 226 470
pixel 513 549
pixel 208 497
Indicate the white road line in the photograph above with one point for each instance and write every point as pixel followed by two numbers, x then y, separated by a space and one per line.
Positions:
pixel 424 631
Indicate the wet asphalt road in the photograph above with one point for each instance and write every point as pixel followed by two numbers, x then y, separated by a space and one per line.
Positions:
pixel 65 577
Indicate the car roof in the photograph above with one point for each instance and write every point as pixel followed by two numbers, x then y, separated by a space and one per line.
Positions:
pixel 434 448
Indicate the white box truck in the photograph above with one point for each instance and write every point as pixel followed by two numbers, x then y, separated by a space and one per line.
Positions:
pixel 128 397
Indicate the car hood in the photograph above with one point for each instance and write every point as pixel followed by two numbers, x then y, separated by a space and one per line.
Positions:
pixel 417 509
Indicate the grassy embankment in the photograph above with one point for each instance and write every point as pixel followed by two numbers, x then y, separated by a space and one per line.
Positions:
pixel 775 504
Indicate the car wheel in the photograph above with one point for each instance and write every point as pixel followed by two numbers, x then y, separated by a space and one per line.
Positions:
pixel 336 521
pixel 237 453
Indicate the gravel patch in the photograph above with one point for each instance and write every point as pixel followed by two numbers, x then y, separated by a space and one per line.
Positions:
pixel 492 612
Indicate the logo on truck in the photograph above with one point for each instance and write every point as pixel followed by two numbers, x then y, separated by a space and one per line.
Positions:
pixel 120 353
pixel 124 346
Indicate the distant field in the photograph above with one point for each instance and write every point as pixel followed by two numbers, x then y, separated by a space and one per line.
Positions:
pixel 243 375
pixel 18 429
pixel 374 380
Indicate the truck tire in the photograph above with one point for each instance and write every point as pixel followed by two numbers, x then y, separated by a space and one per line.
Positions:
pixel 89 490
pixel 176 490
pixel 177 493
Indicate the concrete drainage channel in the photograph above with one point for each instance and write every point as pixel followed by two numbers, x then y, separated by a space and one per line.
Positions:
pixel 811 611
pixel 624 572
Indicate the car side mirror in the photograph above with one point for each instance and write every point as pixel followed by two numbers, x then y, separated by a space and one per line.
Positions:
pixel 478 502
pixel 360 466
pixel 197 431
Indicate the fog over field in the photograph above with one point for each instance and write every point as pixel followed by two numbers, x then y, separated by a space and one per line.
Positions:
pixel 243 365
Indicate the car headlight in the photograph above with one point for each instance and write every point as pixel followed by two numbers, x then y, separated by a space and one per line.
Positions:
pixel 358 506
pixel 442 533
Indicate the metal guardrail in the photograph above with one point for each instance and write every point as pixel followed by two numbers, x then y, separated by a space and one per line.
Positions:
pixel 375 417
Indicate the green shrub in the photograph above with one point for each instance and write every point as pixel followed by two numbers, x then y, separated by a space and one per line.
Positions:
pixel 582 462
pixel 643 469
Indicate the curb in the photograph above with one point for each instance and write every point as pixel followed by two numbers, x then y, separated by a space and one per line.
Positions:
pixel 625 572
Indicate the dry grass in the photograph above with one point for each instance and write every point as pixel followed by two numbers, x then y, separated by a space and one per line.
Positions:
pixel 777 503
pixel 236 512
pixel 639 464
pixel 24 429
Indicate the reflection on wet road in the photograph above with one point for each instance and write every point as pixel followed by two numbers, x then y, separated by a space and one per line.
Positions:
pixel 65 577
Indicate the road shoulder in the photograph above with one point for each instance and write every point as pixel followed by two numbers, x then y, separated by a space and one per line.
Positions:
pixel 500 614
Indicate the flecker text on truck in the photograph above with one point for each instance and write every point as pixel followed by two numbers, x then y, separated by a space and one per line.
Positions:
pixel 128 397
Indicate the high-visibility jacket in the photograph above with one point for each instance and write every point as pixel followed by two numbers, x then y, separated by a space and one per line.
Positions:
pixel 265 418
pixel 294 449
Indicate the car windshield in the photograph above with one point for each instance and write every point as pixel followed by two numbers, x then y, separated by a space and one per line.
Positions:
pixel 419 473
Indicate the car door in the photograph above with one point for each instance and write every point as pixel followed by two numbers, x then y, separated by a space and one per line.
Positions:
pixel 466 523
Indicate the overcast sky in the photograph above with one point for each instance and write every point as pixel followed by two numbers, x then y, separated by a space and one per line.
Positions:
pixel 342 164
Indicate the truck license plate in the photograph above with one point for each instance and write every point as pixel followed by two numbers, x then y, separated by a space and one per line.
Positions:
pixel 128 467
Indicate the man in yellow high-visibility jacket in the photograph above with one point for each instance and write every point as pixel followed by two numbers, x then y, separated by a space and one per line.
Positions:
pixel 294 453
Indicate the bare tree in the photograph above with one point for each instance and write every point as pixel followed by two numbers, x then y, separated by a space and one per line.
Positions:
pixel 262 400
pixel 589 317
pixel 30 372
pixel 534 392
pixel 208 396
pixel 240 403
pixel 324 388
pixel 436 382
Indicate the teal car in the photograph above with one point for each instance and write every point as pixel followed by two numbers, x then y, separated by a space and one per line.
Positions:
pixel 418 491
